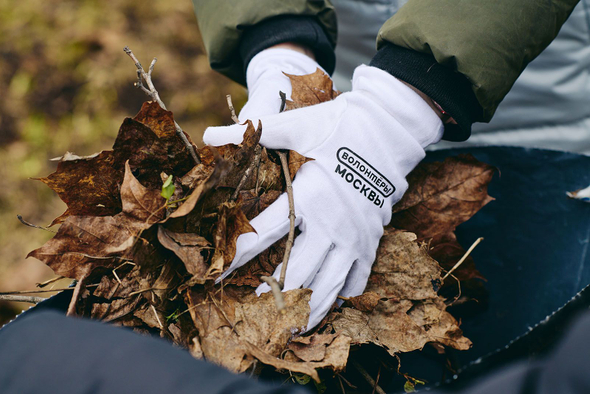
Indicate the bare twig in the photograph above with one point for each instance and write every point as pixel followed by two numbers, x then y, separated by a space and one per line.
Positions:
pixel 77 290
pixel 275 286
pixel 144 290
pixel 16 298
pixel 291 237
pixel 257 152
pixel 50 281
pixel 34 291
pixel 276 291
pixel 157 317
pixel 458 290
pixel 367 377
pixel 342 378
pixel 477 241
pixel 115 271
pixel 153 93
pixel 341 385
pixel 255 162
pixel 377 380
pixel 23 221
pixel 232 110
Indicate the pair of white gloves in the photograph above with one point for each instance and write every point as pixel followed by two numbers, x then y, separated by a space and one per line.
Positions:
pixel 364 144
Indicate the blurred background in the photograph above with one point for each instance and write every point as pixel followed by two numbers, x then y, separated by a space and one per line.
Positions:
pixel 67 85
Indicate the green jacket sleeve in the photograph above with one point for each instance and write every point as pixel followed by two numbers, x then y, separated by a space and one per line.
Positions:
pixel 488 42
pixel 223 24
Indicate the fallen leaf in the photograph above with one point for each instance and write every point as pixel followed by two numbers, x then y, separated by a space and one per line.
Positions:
pixel 148 151
pixel 403 269
pixel 88 185
pixel 311 348
pixel 443 195
pixel 189 248
pixel 409 313
pixel 295 162
pixel 366 302
pixel 230 225
pixel 310 89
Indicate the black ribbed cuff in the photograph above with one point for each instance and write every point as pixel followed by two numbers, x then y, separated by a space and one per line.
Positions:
pixel 304 30
pixel 450 89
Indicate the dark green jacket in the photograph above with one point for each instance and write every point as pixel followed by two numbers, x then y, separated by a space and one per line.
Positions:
pixel 464 54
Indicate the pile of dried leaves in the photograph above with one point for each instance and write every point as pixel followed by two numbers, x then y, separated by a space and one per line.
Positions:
pixel 147 232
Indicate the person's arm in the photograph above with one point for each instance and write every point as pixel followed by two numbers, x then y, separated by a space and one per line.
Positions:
pixel 234 32
pixel 464 55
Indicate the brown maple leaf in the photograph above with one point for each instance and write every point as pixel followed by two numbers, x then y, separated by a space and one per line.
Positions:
pixel 102 241
pixel 88 185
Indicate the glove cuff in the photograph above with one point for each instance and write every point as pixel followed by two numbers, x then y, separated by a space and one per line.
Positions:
pixel 450 89
pixel 303 30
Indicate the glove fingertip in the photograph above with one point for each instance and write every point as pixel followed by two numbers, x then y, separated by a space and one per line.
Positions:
pixel 222 135
pixel 262 288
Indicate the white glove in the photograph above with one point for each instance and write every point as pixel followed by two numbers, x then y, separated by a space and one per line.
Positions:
pixel 364 144
pixel 265 78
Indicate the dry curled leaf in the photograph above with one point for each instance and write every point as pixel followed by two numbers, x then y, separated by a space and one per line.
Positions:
pixel 366 302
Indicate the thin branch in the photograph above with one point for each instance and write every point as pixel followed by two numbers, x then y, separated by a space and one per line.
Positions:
pixel 144 290
pixel 257 152
pixel 458 290
pixel 367 377
pixel 477 241
pixel 377 380
pixel 253 164
pixel 34 291
pixel 153 93
pixel 232 110
pixel 23 221
pixel 341 385
pixel 276 291
pixel 50 281
pixel 16 298
pixel 352 386
pixel 120 266
pixel 291 237
pixel 157 317
pixel 77 290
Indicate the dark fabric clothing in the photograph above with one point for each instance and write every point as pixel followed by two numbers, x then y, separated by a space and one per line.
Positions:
pixel 487 44
pixel 451 90
pixel 223 24
pixel 300 29
pixel 46 352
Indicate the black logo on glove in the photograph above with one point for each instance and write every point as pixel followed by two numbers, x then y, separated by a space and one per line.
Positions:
pixel 363 176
